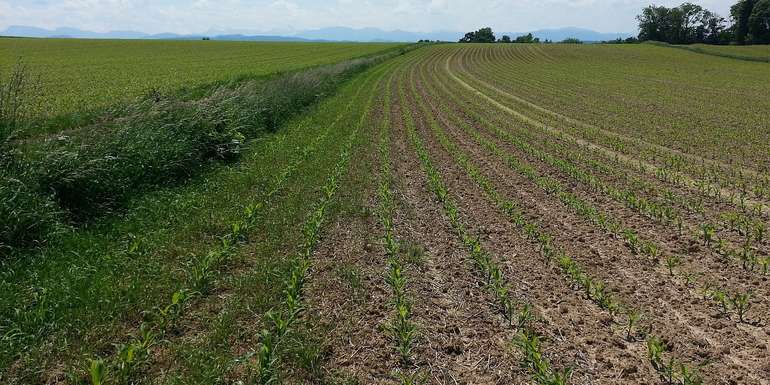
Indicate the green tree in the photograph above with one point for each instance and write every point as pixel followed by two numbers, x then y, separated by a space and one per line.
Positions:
pixel 654 23
pixel 740 13
pixel 483 35
pixel 685 24
pixel 469 37
pixel 714 30
pixel 759 22
pixel 686 19
pixel 571 40
pixel 528 38
pixel 505 39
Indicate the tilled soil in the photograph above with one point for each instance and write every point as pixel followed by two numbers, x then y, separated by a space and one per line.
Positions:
pixel 460 339
pixel 584 334
pixel 701 335
pixel 463 338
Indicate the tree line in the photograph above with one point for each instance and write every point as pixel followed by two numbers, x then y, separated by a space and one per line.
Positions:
pixel 690 23
pixel 748 23
pixel 485 35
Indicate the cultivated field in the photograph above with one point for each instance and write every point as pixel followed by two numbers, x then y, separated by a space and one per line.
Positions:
pixel 550 196
pixel 456 214
pixel 78 75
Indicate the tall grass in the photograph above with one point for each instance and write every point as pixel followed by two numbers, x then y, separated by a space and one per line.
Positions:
pixel 16 93
pixel 157 140
pixel 162 139
pixel 25 214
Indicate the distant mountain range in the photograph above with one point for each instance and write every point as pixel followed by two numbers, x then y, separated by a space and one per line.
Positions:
pixel 323 34
pixel 559 34
pixel 25 31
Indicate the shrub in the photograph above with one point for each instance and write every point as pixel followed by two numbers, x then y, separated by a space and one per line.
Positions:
pixel 571 40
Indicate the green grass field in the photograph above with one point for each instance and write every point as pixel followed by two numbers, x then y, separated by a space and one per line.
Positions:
pixel 79 75
pixel 745 52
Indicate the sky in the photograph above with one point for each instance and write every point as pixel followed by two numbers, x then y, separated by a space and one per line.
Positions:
pixel 290 16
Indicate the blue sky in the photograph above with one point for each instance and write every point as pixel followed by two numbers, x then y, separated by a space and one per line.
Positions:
pixel 287 16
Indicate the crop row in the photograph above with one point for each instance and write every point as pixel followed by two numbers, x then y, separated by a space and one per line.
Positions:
pixel 595 289
pixel 540 86
pixel 648 247
pixel 633 240
pixel 745 222
pixel 402 328
pixel 278 322
pixel 490 272
pixel 660 208
pixel 595 135
pixel 201 272
pixel 670 163
pixel 753 230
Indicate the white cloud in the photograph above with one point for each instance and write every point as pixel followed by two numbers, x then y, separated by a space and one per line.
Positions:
pixel 438 6
pixel 184 16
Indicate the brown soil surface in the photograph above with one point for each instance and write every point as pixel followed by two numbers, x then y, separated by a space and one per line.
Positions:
pixel 463 338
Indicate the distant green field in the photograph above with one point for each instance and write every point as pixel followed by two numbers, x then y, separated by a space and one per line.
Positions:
pixel 745 52
pixel 85 74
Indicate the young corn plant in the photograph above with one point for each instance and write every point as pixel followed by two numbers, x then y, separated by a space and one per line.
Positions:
pixel 524 317
pixel 134 353
pixel 720 247
pixel 759 231
pixel 266 371
pixel 404 331
pixel 721 298
pixel 203 269
pixel 672 262
pixel 764 263
pixel 650 249
pixel 529 344
pixel 604 298
pixel 668 370
pixel 98 372
pixel 632 240
pixel 708 231
pixel 689 376
pixel 741 303
pixel 130 355
pixel 689 278
pixel 134 244
pixel 632 320
pixel 413 378
pixel 748 258
pixel 655 349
